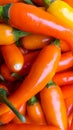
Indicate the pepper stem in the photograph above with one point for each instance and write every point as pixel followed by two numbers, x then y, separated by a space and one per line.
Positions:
pixel 57 43
pixel 32 100
pixel 18 34
pixel 47 2
pixel 1 11
pixel 28 2
pixel 4 99
pixel 51 83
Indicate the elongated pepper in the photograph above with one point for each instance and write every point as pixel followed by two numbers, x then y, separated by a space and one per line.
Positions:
pixel 41 22
pixel 43 69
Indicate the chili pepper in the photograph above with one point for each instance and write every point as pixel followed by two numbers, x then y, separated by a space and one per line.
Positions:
pixel 9 35
pixel 53 106
pixel 62 11
pixel 70 119
pixel 71 128
pixel 43 69
pixel 38 2
pixel 64 46
pixel 69 105
pixel 29 60
pixel 34 41
pixel 41 22
pixel 67 91
pixel 65 62
pixel 7 74
pixel 13 57
pixel 35 112
pixel 70 2
pixel 27 127
pixel 3 2
pixel 63 78
pixel 3 99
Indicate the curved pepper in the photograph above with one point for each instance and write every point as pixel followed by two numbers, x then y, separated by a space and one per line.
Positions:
pixel 41 22
pixel 43 69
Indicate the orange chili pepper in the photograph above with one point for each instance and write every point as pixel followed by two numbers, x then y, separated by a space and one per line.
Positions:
pixel 35 112
pixel 9 35
pixel 27 127
pixel 63 78
pixel 53 106
pixel 67 91
pixel 13 57
pixel 41 22
pixel 43 69
pixel 34 41
pixel 70 2
pixel 65 62
pixel 64 46
pixel 7 74
pixel 3 2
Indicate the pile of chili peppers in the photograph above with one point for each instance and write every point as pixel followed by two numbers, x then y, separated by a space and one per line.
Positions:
pixel 36 64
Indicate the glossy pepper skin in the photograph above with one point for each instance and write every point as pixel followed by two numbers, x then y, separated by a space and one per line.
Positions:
pixel 64 46
pixel 3 2
pixel 65 62
pixel 27 127
pixel 9 35
pixel 34 41
pixel 35 112
pixel 47 23
pixel 53 106
pixel 13 57
pixel 63 78
pixel 43 69
pixel 62 11
pixel 70 2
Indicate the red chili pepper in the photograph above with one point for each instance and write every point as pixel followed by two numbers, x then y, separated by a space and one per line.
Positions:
pixel 65 62
pixel 63 78
pixel 53 106
pixel 41 22
pixel 67 91
pixel 43 69
pixel 7 74
pixel 35 112
pixel 27 127
pixel 29 60
pixel 39 2
pixel 13 57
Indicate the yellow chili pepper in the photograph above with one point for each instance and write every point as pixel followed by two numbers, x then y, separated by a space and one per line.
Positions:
pixel 62 11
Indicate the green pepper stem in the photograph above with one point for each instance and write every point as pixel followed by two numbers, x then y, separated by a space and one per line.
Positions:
pixel 32 100
pixel 47 2
pixel 28 2
pixel 51 83
pixel 57 43
pixel 5 100
pixel 18 34
pixel 1 11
